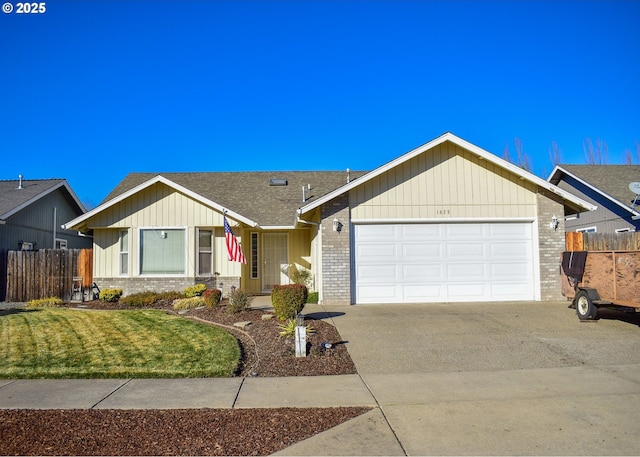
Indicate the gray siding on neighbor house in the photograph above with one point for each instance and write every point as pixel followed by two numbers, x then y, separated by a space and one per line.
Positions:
pixel 35 224
pixel 606 219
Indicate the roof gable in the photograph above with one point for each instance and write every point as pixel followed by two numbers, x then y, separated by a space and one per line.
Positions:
pixel 14 198
pixel 611 182
pixel 481 153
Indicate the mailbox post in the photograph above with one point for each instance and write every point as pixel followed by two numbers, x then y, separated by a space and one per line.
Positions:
pixel 301 336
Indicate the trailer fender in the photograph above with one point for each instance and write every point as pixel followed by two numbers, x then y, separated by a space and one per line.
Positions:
pixel 592 293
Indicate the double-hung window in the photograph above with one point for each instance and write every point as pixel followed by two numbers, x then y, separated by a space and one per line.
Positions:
pixel 124 252
pixel 205 252
pixel 162 251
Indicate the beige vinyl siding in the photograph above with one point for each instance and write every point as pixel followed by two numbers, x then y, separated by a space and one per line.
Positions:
pixel 162 207
pixel 159 206
pixel 445 182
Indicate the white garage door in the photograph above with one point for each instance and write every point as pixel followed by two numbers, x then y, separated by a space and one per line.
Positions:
pixel 422 263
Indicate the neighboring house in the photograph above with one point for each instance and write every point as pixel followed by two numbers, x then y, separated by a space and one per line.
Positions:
pixel 605 186
pixel 32 212
pixel 446 222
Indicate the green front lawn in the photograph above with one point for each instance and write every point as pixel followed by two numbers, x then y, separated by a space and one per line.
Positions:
pixel 64 343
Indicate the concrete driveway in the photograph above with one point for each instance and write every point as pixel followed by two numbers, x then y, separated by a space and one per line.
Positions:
pixel 497 379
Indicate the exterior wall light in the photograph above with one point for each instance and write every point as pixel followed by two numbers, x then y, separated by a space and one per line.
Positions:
pixel 554 223
pixel 337 226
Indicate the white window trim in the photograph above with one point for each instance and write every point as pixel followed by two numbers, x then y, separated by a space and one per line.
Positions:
pixel 185 250
pixel 593 229
pixel 62 242
pixel 120 273
pixel 624 230
pixel 213 236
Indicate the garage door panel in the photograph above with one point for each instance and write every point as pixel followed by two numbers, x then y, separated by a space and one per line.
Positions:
pixel 443 262
pixel 421 231
pixel 510 249
pixel 467 292
pixel 510 231
pixel 465 272
pixel 418 294
pixel 471 250
pixel 511 271
pixel 423 272
pixel 379 294
pixel 420 251
pixel 378 252
pixel 377 273
pixel 376 232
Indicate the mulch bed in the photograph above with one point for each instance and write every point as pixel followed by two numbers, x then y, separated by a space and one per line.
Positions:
pixel 196 431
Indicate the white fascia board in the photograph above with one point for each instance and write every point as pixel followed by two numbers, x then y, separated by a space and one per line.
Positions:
pixel 29 202
pixel 150 182
pixel 558 169
pixel 277 227
pixel 463 144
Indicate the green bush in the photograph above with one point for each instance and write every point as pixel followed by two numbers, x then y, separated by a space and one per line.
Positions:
pixel 313 297
pixel 288 329
pixel 289 300
pixel 212 297
pixel 195 291
pixel 110 295
pixel 49 302
pixel 239 300
pixel 188 303
pixel 140 299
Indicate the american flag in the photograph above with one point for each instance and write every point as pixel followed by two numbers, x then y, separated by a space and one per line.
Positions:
pixel 233 247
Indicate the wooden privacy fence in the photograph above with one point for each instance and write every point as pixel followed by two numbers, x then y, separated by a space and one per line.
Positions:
pixel 583 241
pixel 47 273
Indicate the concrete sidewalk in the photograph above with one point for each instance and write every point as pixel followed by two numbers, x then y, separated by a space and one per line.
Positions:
pixel 303 392
pixel 368 434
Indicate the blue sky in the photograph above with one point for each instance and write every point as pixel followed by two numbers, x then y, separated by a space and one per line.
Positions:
pixel 93 90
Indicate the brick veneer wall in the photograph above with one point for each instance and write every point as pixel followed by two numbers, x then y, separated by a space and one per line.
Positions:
pixel 551 245
pixel 336 253
pixel 134 285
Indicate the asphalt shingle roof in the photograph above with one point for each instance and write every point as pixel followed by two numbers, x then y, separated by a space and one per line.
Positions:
pixel 11 197
pixel 613 180
pixel 249 193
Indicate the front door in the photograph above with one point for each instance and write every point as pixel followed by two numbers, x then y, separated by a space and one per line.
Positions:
pixel 275 260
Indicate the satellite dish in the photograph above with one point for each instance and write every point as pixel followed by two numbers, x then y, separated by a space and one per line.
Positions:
pixel 635 187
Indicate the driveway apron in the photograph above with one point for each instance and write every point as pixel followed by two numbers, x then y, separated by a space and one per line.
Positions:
pixel 498 378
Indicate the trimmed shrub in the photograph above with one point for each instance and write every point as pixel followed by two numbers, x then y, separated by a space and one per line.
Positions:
pixel 212 297
pixel 239 300
pixel 110 295
pixel 195 291
pixel 49 302
pixel 289 300
pixel 188 303
pixel 140 299
pixel 313 297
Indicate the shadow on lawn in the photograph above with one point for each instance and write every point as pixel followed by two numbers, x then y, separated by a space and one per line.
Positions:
pixel 9 311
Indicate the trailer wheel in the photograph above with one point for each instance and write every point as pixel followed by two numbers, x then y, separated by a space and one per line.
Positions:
pixel 584 307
